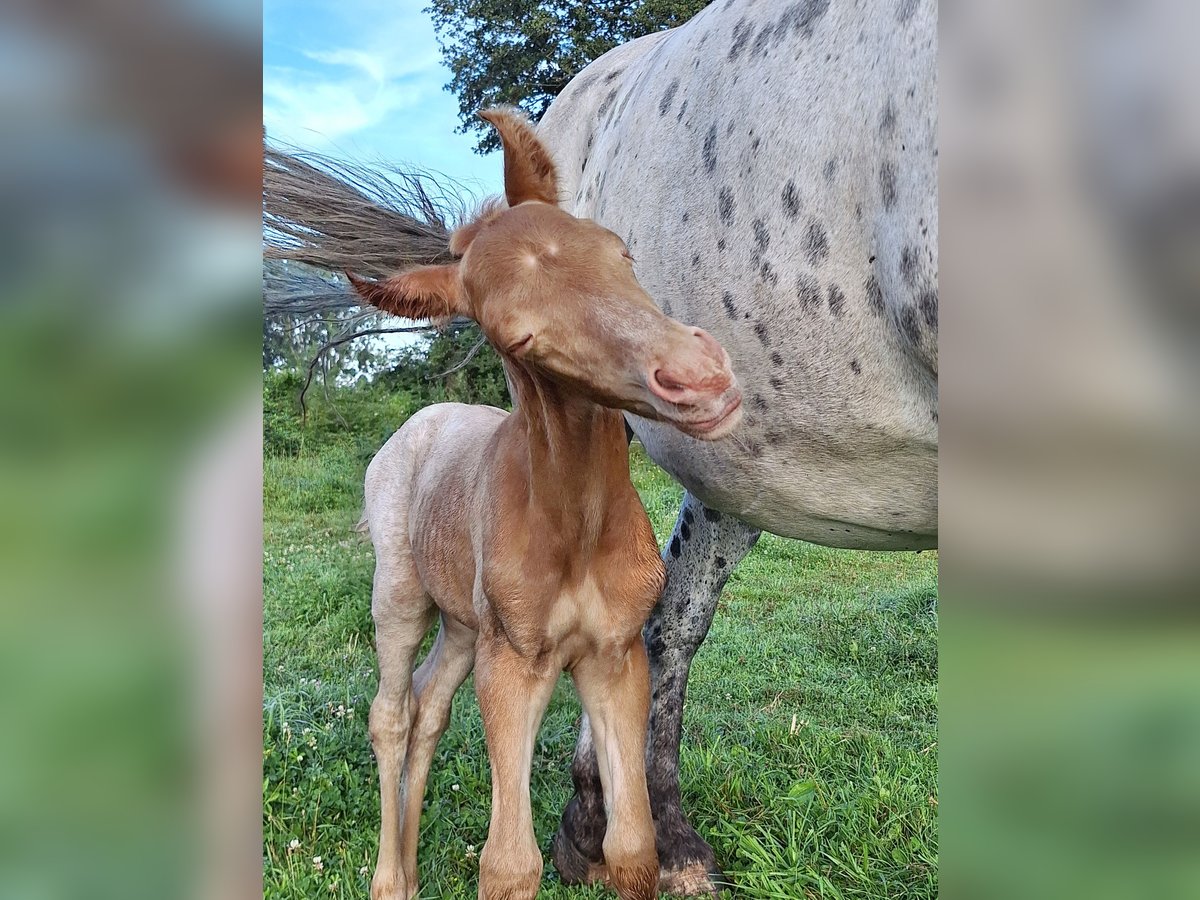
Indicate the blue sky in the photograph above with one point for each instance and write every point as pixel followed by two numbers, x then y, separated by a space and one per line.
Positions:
pixel 363 80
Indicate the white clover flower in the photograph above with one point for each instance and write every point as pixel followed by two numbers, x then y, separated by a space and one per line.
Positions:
pixel 363 871
pixel 293 845
pixel 454 787
pixel 317 864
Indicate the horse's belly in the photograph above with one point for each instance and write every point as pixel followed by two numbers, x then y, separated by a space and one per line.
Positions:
pixel 869 501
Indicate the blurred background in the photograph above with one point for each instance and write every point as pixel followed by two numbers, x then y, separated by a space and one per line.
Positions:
pixel 131 440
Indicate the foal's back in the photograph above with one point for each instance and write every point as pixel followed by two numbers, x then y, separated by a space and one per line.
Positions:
pixel 420 497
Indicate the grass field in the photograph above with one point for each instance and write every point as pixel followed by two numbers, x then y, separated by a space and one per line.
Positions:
pixel 809 760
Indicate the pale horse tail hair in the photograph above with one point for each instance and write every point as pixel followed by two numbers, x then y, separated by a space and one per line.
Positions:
pixel 321 215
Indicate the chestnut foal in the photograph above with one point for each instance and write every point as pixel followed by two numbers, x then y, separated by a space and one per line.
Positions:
pixel 523 531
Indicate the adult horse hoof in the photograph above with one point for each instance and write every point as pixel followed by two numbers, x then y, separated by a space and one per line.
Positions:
pixel 573 867
pixel 694 880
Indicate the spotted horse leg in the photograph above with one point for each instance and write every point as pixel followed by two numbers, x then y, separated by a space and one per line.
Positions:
pixel 704 548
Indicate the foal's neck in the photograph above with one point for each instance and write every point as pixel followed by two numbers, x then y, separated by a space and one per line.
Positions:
pixel 576 450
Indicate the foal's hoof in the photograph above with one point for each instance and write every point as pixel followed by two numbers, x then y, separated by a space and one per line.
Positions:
pixel 391 886
pixel 694 880
pixel 573 867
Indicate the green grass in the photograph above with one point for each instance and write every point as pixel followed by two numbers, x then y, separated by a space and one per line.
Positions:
pixel 809 758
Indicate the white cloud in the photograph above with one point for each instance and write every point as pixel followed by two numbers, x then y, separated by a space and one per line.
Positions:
pixel 370 63
pixel 300 107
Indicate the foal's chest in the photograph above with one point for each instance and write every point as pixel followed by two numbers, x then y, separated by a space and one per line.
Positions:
pixel 550 601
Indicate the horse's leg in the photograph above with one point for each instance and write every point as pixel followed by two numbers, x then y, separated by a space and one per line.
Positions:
pixel 402 614
pixel 700 556
pixel 513 692
pixel 616 695
pixel 438 678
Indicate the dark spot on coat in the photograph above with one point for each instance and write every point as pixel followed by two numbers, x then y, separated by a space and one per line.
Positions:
pixel 887 184
pixel 682 110
pixel 791 200
pixel 817 243
pixel 712 515
pixel 762 237
pixel 741 34
pixel 688 516
pixel 909 265
pixel 725 206
pixel 874 294
pixel 729 129
pixel 721 244
pixel 776 358
pixel 905 10
pixel 760 42
pixel 727 302
pixel 685 216
pixel 887 118
pixel 720 561
pixel 608 102
pixel 754 145
pixel 908 324
pixel 830 170
pixel 777 382
pixel 801 17
pixel 808 291
pixel 768 274
pixel 855 367
pixel 710 149
pixel 695 259
pixel 837 301
pixel 668 97
pixel 675 548
pixel 685 530
pixel 760 330
pixel 613 75
pixel 927 302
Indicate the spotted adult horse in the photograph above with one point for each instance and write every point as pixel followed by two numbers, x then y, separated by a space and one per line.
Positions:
pixel 772 167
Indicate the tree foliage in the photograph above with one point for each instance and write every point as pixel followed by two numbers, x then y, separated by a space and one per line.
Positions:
pixel 524 52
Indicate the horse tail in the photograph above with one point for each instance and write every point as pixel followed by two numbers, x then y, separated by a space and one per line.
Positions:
pixel 330 217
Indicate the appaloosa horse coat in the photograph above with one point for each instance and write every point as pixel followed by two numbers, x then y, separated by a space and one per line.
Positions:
pixel 772 166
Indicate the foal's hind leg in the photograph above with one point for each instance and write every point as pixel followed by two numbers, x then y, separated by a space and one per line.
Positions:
pixel 439 677
pixel 402 615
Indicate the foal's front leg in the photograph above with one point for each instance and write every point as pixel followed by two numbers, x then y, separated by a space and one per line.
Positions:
pixel 616 696
pixel 513 692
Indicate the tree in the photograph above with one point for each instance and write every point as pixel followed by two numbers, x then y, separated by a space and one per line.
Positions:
pixel 524 52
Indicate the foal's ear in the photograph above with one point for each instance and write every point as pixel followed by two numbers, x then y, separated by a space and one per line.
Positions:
pixel 529 172
pixel 427 292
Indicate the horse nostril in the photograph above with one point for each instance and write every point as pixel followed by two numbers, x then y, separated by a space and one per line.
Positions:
pixel 666 382
pixel 667 387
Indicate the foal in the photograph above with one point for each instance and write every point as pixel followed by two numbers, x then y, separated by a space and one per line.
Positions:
pixel 522 531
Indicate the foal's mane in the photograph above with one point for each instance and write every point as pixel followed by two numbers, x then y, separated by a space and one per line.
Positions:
pixel 486 213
